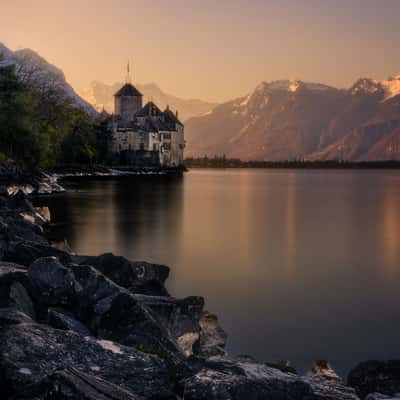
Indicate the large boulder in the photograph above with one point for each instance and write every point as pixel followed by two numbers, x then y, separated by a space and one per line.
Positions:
pixel 62 319
pixel 30 352
pixel 212 338
pixel 52 283
pixel 380 396
pixel 14 228
pixel 109 311
pixel 73 384
pixel 137 277
pixel 179 316
pixel 229 379
pixel 25 252
pixel 323 370
pixel 15 288
pixel 375 377
pixel 113 313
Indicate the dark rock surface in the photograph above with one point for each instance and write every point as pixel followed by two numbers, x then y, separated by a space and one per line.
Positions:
pixel 114 313
pixel 230 379
pixel 61 319
pixel 30 351
pixel 14 290
pixel 26 252
pixel 71 384
pixel 212 338
pixel 181 317
pixel 380 396
pixel 138 277
pixel 52 283
pixel 15 179
pixel 376 377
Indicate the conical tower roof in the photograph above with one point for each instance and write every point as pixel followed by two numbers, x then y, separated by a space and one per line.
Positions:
pixel 128 90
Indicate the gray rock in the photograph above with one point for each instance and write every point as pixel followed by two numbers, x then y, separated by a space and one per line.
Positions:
pixel 14 287
pixel 12 316
pixel 30 352
pixel 26 252
pixel 73 384
pixel 179 316
pixel 14 228
pixel 137 277
pixel 37 216
pixel 322 370
pixel 375 377
pixel 380 396
pixel 212 337
pixel 113 313
pixel 52 283
pixel 224 378
pixel 61 319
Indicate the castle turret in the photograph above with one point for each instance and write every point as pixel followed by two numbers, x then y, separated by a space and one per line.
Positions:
pixel 128 101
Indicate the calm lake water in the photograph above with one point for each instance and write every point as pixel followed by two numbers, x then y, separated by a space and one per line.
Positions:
pixel 298 265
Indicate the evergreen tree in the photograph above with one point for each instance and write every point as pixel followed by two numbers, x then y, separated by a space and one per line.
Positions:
pixel 17 139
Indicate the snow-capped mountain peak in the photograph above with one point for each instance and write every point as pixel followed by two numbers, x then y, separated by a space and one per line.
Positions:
pixel 391 87
pixel 366 85
pixel 388 88
pixel 290 86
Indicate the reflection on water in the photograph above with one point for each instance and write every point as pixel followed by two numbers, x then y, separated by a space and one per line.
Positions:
pixel 299 265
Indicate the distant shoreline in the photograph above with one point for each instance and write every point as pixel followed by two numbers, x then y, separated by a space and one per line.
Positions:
pixel 225 163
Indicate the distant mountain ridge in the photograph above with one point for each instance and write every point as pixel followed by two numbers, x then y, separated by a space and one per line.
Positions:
pixel 286 120
pixel 101 95
pixel 31 66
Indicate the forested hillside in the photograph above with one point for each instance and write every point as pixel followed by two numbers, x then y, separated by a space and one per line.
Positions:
pixel 40 125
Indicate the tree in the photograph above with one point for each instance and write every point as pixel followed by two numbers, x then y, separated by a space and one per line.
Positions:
pixel 17 138
pixel 39 124
pixel 79 145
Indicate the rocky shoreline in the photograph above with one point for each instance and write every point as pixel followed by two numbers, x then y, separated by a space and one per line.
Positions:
pixel 100 171
pixel 106 328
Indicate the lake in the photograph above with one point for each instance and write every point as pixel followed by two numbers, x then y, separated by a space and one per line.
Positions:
pixel 297 264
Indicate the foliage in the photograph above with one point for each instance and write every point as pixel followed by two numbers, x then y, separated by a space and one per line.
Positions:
pixel 223 162
pixel 40 127
pixel 16 131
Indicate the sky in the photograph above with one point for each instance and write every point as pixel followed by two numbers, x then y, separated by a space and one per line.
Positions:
pixel 214 50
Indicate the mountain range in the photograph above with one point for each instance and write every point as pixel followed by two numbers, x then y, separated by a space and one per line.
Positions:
pixel 286 120
pixel 35 70
pixel 280 120
pixel 101 95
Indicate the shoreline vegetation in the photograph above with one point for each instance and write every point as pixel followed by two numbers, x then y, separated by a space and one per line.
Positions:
pixel 223 162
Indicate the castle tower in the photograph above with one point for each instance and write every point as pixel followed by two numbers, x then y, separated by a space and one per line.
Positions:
pixel 128 100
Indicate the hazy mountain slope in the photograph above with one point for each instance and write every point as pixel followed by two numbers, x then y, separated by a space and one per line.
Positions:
pixel 368 143
pixel 35 70
pixel 374 137
pixel 279 120
pixel 287 120
pixel 102 95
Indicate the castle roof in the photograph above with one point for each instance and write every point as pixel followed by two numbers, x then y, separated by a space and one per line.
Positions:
pixel 171 117
pixel 149 109
pixel 128 90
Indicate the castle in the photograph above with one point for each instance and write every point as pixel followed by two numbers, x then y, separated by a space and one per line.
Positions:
pixel 145 135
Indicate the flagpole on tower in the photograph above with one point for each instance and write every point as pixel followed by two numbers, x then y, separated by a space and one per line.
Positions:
pixel 128 73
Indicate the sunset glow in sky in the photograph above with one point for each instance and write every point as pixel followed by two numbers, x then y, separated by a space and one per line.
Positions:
pixel 210 49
